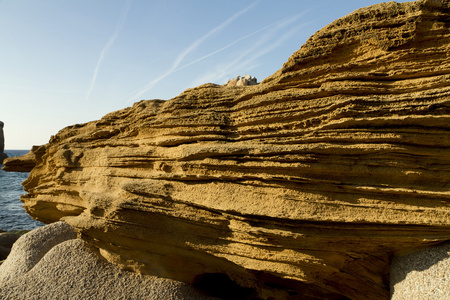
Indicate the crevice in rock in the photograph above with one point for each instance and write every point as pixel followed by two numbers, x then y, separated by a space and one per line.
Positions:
pixel 220 285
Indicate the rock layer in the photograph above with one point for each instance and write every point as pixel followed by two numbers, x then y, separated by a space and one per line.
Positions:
pixel 24 163
pixel 301 187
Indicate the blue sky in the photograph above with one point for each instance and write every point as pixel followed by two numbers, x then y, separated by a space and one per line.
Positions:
pixel 65 62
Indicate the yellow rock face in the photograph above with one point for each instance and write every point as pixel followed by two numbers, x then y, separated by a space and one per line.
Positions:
pixel 300 187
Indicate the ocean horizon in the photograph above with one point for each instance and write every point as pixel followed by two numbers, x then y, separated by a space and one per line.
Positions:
pixel 12 214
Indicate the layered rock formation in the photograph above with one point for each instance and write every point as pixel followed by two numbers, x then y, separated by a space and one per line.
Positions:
pixel 2 143
pixel 301 187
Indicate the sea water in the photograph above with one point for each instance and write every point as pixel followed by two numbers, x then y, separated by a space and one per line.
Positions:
pixel 12 214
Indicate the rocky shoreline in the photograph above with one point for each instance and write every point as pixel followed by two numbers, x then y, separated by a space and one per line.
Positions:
pixel 304 186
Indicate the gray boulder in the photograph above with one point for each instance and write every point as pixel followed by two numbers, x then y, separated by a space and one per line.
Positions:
pixel 29 249
pixel 421 275
pixel 71 269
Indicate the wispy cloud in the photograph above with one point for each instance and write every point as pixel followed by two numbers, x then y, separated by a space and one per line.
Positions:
pixel 192 47
pixel 112 39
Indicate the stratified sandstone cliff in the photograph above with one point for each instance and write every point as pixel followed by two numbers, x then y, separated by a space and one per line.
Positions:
pixel 301 187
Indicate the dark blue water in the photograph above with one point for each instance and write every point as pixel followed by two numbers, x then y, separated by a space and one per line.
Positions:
pixel 12 214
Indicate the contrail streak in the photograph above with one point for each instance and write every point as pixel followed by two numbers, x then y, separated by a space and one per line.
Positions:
pixel 210 33
pixel 223 48
pixel 251 53
pixel 109 44
pixel 247 57
pixel 194 45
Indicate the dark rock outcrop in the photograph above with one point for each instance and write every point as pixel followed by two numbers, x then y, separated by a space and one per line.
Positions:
pixel 2 143
pixel 7 240
pixel 301 187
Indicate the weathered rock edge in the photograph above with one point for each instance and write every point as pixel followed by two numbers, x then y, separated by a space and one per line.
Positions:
pixel 303 186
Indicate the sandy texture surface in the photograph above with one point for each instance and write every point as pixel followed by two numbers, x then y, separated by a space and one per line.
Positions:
pixel 73 270
pixel 423 275
pixel 29 249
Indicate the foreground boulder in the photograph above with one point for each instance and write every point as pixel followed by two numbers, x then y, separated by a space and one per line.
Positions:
pixel 31 247
pixel 301 187
pixel 48 263
pixel 422 275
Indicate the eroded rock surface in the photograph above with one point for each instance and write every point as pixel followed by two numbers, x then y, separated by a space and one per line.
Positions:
pixel 301 187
